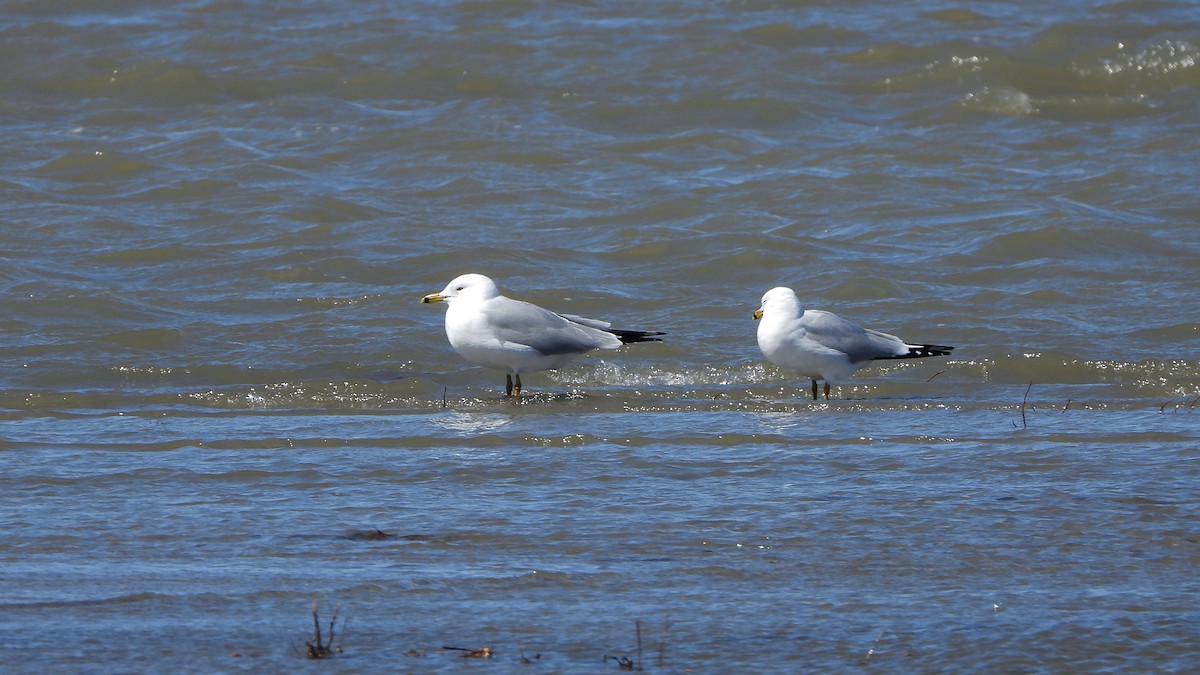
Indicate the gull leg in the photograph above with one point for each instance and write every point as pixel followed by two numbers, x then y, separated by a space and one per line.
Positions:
pixel 508 387
pixel 826 391
pixel 814 390
pixel 517 391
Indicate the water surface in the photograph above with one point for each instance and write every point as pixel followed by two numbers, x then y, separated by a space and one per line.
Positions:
pixel 220 218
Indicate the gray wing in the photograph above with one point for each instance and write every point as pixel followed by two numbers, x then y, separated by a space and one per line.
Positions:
pixel 549 333
pixel 594 323
pixel 856 342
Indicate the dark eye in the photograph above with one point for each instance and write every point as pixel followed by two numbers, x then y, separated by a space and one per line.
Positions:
pixel 460 288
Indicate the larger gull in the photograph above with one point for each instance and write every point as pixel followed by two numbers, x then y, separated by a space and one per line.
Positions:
pixel 491 330
pixel 822 345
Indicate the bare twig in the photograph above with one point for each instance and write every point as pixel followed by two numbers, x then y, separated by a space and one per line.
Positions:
pixel 935 375
pixel 333 622
pixel 318 648
pixel 1163 407
pixel 316 623
pixel 623 662
pixel 1024 423
pixel 871 651
pixel 1068 405
pixel 626 663
pixel 637 623
pixel 444 397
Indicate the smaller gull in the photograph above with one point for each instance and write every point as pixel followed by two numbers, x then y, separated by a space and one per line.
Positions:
pixel 493 331
pixel 822 345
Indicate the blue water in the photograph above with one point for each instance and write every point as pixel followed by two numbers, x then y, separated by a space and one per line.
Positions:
pixel 223 400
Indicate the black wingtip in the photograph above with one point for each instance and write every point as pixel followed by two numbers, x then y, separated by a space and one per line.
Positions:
pixel 630 336
pixel 920 352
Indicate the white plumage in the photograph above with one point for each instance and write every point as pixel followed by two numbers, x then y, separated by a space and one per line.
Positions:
pixel 823 346
pixel 491 330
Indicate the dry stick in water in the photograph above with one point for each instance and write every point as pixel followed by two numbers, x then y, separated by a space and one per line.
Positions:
pixel 638 625
pixel 1024 424
pixel 626 663
pixel 623 662
pixel 871 651
pixel 316 626
pixel 318 649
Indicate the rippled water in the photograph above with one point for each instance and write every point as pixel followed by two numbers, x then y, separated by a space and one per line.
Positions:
pixel 220 217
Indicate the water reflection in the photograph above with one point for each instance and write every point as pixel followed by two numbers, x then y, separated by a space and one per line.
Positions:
pixel 466 424
pixel 777 420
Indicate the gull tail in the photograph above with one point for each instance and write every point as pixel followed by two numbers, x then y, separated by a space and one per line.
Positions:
pixel 630 336
pixel 920 352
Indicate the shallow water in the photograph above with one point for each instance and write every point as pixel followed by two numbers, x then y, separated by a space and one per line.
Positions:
pixel 221 216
